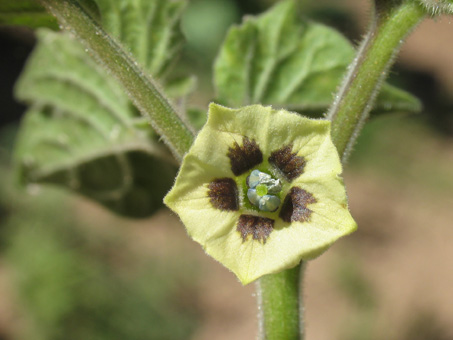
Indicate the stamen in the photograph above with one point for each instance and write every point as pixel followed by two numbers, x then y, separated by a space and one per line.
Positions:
pixel 269 203
pixel 261 187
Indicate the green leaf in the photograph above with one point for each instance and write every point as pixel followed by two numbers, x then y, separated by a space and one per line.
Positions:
pixel 82 132
pixel 392 98
pixel 197 117
pixel 148 28
pixel 180 87
pixel 25 13
pixel 279 60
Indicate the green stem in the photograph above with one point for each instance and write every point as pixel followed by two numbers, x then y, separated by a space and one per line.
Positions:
pixel 280 305
pixel 279 298
pixel 391 24
pixel 139 86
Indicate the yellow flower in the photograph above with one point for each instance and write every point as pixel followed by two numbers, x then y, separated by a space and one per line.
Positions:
pixel 260 190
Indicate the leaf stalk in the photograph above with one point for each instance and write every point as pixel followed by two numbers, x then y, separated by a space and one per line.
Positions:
pixel 391 24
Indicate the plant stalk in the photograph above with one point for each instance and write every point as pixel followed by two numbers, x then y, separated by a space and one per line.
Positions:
pixel 139 86
pixel 279 296
pixel 392 22
pixel 280 305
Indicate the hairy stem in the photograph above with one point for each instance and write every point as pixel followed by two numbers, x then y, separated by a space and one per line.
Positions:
pixel 280 305
pixel 279 296
pixel 139 86
pixel 390 26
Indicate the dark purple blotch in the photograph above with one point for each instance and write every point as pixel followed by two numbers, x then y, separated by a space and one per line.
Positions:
pixel 294 207
pixel 245 157
pixel 289 164
pixel 259 227
pixel 223 194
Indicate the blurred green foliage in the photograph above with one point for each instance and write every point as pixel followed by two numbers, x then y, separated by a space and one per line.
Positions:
pixel 204 29
pixel 353 284
pixel 75 283
pixel 405 150
pixel 25 13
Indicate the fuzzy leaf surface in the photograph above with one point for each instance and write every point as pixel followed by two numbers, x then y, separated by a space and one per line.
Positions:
pixel 277 59
pixel 148 28
pixel 81 132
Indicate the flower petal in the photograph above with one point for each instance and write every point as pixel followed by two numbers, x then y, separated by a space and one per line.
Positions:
pixel 210 192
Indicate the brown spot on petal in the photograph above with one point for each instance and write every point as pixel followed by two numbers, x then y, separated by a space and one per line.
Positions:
pixel 259 227
pixel 223 193
pixel 245 157
pixel 294 208
pixel 291 165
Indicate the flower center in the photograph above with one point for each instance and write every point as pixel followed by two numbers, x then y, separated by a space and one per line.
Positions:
pixel 263 191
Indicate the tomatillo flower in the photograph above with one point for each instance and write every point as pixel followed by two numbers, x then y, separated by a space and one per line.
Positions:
pixel 260 190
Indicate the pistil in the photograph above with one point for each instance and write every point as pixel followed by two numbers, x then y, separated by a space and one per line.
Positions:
pixel 263 190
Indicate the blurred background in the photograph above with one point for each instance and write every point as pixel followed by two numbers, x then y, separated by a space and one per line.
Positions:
pixel 69 269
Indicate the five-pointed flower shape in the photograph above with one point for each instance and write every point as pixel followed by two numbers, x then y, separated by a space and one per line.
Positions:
pixel 260 190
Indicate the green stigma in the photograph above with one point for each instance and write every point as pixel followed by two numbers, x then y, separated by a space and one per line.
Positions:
pixel 261 189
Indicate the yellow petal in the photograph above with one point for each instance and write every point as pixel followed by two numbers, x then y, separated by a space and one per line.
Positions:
pixel 263 242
